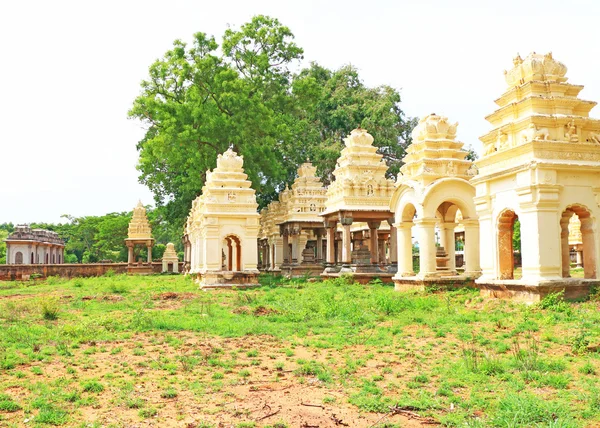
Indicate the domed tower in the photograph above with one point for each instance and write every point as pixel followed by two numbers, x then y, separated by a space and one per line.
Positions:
pixel 139 233
pixel 540 165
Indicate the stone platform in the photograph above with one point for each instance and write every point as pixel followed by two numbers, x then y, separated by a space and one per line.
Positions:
pixel 140 269
pixel 447 283
pixel 227 280
pixel 301 270
pixel 534 291
pixel 361 278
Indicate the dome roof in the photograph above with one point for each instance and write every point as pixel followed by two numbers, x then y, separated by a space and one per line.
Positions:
pixel 535 67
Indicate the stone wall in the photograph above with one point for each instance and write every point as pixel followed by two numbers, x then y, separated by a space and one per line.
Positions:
pixel 24 272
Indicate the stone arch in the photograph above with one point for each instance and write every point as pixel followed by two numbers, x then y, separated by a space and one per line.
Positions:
pixel 234 253
pixel 405 204
pixel 505 228
pixel 454 190
pixel 19 258
pixel 588 240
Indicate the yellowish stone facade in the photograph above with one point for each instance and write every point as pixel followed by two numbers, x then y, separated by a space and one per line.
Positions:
pixel 360 193
pixel 432 187
pixel 170 258
pixel 223 227
pixel 541 164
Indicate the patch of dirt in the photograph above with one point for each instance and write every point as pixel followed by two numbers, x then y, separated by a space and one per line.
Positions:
pixel 171 295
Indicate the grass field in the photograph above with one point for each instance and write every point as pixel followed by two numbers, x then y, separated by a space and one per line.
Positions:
pixel 156 351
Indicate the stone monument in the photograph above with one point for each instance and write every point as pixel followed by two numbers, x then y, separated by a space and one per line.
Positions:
pixel 359 193
pixel 304 203
pixel 170 257
pixel 541 164
pixel 139 233
pixel 432 187
pixel 223 227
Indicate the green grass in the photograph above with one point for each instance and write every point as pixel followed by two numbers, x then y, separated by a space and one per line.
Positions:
pixel 68 345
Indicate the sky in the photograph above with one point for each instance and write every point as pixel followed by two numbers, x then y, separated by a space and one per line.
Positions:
pixel 70 70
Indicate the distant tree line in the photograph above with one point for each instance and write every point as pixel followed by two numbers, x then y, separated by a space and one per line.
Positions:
pixel 92 239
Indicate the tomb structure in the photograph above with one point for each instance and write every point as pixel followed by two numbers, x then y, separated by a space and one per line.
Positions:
pixel 301 224
pixel 359 193
pixel 223 227
pixel 139 233
pixel 27 246
pixel 432 187
pixel 170 258
pixel 541 165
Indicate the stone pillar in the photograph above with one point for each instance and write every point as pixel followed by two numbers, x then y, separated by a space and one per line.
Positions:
pixel 426 235
pixel 7 253
pixel 404 253
pixel 589 248
pixel 564 247
pixel 346 244
pixel 540 241
pixel 448 242
pixel 302 241
pixel 149 247
pixel 319 235
pixel 381 258
pixel 471 252
pixel 294 247
pixel 267 256
pixel 578 255
pixel 130 254
pixel 393 244
pixel 330 227
pixel 374 241
pixel 286 248
pixel 278 253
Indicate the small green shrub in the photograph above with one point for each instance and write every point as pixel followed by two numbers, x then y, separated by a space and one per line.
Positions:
pixel 93 386
pixel 49 309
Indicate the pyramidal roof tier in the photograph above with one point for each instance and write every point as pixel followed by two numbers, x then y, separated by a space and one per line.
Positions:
pixel 540 116
pixel 306 198
pixel 226 192
pixel 360 183
pixel 139 227
pixel 434 152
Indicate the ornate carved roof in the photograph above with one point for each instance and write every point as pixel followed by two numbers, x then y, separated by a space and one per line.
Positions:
pixel 540 107
pixel 575 235
pixel 306 199
pixel 227 192
pixel 139 227
pixel 170 253
pixel 360 182
pixel 434 152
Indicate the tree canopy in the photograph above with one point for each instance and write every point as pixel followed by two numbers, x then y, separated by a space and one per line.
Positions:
pixel 198 100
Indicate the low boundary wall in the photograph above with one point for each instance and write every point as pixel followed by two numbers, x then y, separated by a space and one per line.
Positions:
pixel 24 272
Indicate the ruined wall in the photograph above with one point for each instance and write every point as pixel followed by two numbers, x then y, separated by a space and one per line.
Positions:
pixel 24 272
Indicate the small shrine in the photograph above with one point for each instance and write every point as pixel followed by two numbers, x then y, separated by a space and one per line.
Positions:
pixel 223 227
pixel 432 187
pixel 27 246
pixel 541 165
pixel 170 259
pixel 139 234
pixel 301 222
pixel 359 193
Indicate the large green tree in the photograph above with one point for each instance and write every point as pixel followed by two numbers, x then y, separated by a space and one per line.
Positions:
pixel 199 100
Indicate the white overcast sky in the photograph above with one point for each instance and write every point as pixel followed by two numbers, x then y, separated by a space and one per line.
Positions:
pixel 69 71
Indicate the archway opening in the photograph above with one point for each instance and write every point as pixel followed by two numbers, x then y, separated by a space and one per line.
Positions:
pixel 509 246
pixel 32 258
pixel 577 236
pixel 233 254
pixel 19 258
pixel 47 258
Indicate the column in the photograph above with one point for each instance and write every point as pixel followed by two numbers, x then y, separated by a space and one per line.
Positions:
pixel 447 241
pixel 374 241
pixel 404 249
pixel 319 235
pixel 8 253
pixel 471 252
pixel 589 248
pixel 394 247
pixel 267 256
pixel 426 235
pixel 286 248
pixel 130 254
pixel 346 243
pixel 564 247
pixel 149 247
pixel 330 227
pixel 295 247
